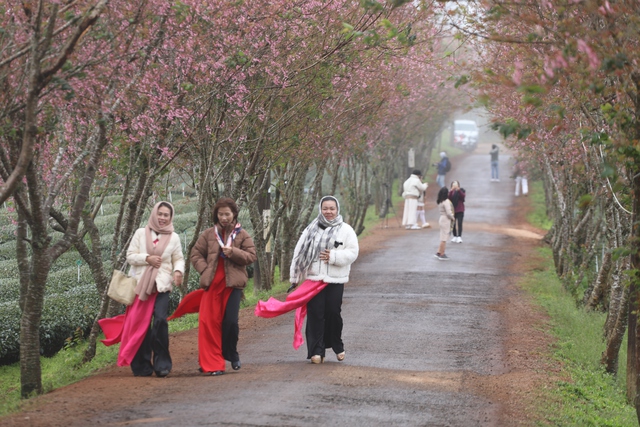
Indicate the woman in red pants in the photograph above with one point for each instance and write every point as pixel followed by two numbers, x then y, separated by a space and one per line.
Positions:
pixel 221 255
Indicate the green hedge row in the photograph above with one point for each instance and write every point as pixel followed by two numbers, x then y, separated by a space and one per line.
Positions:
pixel 9 289
pixel 8 268
pixel 58 282
pixel 68 304
pixel 8 250
pixel 63 313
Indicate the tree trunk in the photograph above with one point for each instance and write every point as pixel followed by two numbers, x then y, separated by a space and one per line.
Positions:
pixel 297 214
pixel 94 259
pixel 615 326
pixel 30 370
pixel 594 297
pixel 262 270
pixel 633 336
pixel 22 257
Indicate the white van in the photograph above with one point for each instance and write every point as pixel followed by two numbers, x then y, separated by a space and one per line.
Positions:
pixel 465 134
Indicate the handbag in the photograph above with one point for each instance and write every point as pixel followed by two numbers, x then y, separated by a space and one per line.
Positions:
pixel 122 287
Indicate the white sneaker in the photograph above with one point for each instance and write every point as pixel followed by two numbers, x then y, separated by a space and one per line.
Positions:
pixel 415 227
pixel 459 239
pixel 454 239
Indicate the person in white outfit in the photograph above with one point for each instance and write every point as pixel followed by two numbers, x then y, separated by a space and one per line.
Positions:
pixel 420 213
pixel 324 253
pixel 522 183
pixel 155 256
pixel 445 207
pixel 412 187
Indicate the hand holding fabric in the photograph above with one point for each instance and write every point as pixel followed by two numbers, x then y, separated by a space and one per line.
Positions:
pixel 227 251
pixel 154 261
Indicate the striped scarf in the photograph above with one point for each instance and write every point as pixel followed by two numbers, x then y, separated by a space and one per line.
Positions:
pixel 309 252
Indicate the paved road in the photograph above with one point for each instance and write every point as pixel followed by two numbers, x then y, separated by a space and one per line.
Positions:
pixel 416 330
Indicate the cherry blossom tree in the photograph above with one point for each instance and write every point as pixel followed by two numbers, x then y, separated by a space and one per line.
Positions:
pixel 561 79
pixel 245 98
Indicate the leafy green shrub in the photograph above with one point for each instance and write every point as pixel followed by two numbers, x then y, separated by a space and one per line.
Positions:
pixel 105 223
pixel 110 207
pixel 70 307
pixel 8 268
pixel 7 225
pixel 66 278
pixel 10 289
pixel 62 314
pixel 182 222
pixel 8 250
pixel 9 332
pixel 66 261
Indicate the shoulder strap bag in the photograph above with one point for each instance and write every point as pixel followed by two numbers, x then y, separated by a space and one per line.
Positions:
pixel 122 287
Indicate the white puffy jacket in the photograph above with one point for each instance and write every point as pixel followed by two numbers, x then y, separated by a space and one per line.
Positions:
pixel 413 186
pixel 339 265
pixel 172 259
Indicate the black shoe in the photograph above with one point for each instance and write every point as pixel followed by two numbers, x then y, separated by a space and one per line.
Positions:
pixel 163 373
pixel 143 375
pixel 216 373
pixel 236 365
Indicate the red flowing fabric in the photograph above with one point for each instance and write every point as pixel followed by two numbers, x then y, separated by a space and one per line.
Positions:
pixel 297 300
pixel 189 304
pixel 212 307
pixel 129 328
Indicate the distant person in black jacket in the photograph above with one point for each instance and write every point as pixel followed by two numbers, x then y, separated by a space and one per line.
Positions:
pixel 457 195
pixel 444 166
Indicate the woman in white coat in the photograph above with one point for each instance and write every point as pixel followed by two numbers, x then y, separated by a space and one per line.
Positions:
pixel 447 216
pixel 324 253
pixel 155 256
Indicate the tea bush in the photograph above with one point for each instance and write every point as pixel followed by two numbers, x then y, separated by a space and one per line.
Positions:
pixel 71 304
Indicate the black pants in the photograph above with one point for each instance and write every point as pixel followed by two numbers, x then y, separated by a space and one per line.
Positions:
pixel 230 328
pixel 324 322
pixel 457 224
pixel 156 340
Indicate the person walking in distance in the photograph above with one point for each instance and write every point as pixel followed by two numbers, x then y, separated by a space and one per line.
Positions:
pixel 446 217
pixel 520 174
pixel 444 166
pixel 494 152
pixel 457 196
pixel 412 188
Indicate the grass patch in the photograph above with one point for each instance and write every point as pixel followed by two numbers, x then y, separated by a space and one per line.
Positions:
pixel 538 217
pixel 588 396
pixel 63 369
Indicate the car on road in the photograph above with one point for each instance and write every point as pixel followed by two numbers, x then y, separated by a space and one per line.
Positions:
pixel 465 134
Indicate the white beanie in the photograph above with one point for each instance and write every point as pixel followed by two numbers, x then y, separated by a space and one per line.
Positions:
pixel 443 155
